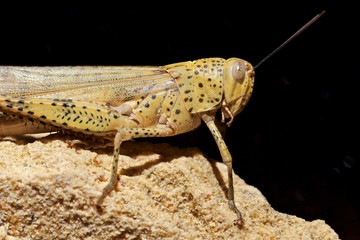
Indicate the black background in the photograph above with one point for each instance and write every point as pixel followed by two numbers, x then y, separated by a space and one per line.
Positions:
pixel 296 141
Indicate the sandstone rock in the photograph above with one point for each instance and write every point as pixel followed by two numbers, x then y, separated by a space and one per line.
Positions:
pixel 48 191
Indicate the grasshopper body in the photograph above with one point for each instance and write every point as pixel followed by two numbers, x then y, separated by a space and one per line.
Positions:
pixel 122 103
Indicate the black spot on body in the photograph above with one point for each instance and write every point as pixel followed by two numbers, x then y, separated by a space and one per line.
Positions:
pixel 43 116
pixel 30 112
pixel 147 105
pixel 177 111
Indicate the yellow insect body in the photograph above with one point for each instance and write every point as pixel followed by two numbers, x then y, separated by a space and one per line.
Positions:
pixel 128 102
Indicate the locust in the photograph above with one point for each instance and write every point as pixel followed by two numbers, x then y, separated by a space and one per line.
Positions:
pixel 121 103
pixel 127 102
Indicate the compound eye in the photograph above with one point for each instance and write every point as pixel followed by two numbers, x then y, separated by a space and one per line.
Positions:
pixel 238 71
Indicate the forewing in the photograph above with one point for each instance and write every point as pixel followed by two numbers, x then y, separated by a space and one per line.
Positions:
pixel 87 83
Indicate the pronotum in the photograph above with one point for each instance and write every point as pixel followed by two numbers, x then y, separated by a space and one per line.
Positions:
pixel 122 103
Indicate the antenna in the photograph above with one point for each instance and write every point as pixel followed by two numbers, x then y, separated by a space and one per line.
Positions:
pixel 291 38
